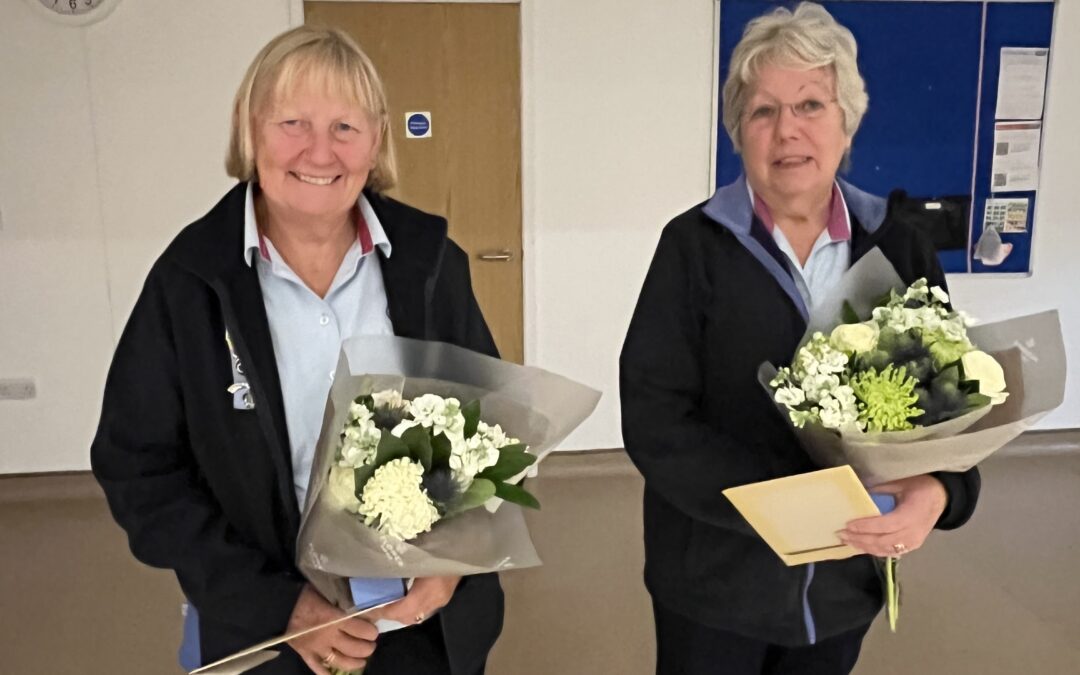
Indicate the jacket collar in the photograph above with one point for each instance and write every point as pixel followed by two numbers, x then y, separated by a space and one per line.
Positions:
pixel 211 249
pixel 731 208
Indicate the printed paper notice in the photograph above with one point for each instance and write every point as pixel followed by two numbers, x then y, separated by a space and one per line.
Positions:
pixel 1021 83
pixel 1016 157
pixel 1006 215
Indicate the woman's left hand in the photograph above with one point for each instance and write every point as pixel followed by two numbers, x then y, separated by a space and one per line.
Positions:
pixel 427 595
pixel 920 501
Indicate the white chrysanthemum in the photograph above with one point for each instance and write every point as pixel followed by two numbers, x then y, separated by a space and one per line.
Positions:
pixel 359 442
pixel 341 487
pixel 441 415
pixel 389 398
pixel 470 457
pixel 394 500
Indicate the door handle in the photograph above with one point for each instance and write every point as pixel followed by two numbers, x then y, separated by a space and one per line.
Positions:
pixel 505 255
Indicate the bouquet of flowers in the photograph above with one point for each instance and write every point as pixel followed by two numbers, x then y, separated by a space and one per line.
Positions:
pixel 906 386
pixel 403 465
pixel 910 365
pixel 417 436
pixel 893 382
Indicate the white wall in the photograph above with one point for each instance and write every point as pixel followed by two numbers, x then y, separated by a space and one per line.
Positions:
pixel 112 137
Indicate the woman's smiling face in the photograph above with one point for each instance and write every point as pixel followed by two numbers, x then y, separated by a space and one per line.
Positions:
pixel 313 154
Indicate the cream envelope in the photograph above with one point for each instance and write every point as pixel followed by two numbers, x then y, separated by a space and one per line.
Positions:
pixel 256 655
pixel 799 516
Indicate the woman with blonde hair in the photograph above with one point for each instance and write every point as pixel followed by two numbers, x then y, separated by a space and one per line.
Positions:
pixel 215 396
pixel 731 286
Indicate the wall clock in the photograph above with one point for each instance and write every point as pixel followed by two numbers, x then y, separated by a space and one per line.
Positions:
pixel 74 12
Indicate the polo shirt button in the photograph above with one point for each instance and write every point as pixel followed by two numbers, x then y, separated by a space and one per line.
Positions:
pixel 324 320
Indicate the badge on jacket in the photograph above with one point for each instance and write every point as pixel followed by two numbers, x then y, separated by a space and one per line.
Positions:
pixel 240 389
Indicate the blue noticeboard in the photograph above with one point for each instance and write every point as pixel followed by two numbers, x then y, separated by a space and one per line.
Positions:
pixel 931 71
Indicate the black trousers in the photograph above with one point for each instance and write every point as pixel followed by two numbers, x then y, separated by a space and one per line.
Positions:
pixel 417 649
pixel 685 647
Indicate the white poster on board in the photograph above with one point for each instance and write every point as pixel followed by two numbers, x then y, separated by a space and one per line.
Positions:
pixel 1021 83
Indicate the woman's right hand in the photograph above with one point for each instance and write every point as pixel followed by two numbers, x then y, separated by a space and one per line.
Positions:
pixel 344 646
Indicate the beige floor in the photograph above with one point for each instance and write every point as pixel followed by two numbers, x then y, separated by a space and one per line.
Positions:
pixel 998 597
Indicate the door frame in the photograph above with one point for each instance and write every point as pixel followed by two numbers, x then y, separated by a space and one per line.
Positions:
pixel 529 302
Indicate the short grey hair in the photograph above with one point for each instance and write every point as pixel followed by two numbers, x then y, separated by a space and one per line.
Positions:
pixel 804 39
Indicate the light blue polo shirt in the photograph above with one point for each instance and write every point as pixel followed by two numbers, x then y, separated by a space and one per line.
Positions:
pixel 307 330
pixel 830 256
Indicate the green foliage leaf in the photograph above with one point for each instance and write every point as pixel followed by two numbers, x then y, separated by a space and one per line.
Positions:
pixel 440 450
pixel 471 412
pixel 516 495
pixel 977 400
pixel 390 447
pixel 848 313
pixel 479 492
pixel 513 447
pixel 419 441
pixel 509 465
pixel 360 478
pixel 365 400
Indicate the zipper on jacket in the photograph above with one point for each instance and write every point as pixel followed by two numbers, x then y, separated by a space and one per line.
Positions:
pixel 808 616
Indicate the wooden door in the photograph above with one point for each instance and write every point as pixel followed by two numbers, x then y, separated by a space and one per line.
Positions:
pixel 461 63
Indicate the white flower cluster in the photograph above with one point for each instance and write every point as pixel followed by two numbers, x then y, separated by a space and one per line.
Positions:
pixel 441 415
pixel 812 390
pixel 470 457
pixel 393 497
pixel 929 314
pixel 394 500
pixel 359 439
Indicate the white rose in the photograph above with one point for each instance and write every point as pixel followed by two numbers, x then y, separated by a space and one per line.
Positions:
pixel 980 366
pixel 940 294
pixel 855 337
pixel 341 488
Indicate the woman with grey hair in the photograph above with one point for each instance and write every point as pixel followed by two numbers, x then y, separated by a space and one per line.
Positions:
pixel 731 285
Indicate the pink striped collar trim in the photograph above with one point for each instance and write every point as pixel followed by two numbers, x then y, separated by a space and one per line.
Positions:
pixel 838 227
pixel 363 235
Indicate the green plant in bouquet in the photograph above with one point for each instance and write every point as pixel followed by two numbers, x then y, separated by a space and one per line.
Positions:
pixel 403 465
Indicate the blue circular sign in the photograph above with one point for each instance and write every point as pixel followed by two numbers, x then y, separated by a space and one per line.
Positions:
pixel 418 124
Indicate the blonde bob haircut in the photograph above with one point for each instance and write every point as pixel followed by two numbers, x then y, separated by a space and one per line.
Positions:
pixel 324 58
pixel 805 39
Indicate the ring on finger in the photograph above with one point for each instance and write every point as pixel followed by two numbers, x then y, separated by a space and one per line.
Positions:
pixel 328 660
pixel 900 549
pixel 420 617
